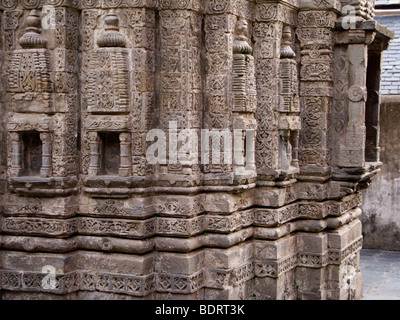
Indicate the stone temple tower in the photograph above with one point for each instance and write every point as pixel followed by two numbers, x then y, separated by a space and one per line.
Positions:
pixel 85 85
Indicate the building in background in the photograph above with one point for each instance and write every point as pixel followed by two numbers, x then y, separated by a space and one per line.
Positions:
pixel 381 208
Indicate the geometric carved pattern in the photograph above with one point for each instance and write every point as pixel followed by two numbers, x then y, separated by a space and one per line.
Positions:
pixel 108 84
pixel 29 72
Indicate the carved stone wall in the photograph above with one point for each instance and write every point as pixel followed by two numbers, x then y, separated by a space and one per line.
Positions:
pixel 84 82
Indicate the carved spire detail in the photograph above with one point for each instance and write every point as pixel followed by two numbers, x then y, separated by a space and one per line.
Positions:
pixel 32 37
pixel 111 37
pixel 286 49
pixel 241 43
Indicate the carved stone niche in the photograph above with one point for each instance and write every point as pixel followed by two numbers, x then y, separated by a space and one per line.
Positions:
pixel 30 162
pixel 109 154
pixel 31 153
pixel 110 163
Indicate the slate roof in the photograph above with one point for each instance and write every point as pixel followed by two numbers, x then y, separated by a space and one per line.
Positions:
pixel 391 57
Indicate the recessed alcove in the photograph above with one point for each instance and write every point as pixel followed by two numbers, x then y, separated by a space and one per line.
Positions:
pixel 110 153
pixel 31 154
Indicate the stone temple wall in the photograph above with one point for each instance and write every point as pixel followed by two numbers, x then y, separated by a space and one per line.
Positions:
pixel 84 214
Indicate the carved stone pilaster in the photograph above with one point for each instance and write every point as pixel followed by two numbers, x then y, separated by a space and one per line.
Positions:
pixel 45 170
pixel 16 155
pixel 125 146
pixel 315 89
pixel 289 106
pixel 95 156
pixel 244 105
pixel 180 87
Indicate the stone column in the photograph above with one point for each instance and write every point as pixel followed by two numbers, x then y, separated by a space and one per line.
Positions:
pixel 295 148
pixel 349 112
pixel 62 22
pixel 352 153
pixel 142 35
pixel 172 231
pixel 179 101
pixel 277 109
pixel 289 106
pixel 45 170
pixel 95 156
pixel 267 33
pixel 374 70
pixel 220 24
pixel 372 107
pixel 16 155
pixel 180 86
pixel 125 147
pixel 315 32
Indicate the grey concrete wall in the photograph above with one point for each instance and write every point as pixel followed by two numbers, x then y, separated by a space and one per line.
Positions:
pixel 381 205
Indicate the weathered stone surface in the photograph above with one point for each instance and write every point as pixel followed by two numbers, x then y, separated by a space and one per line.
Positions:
pixel 85 214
